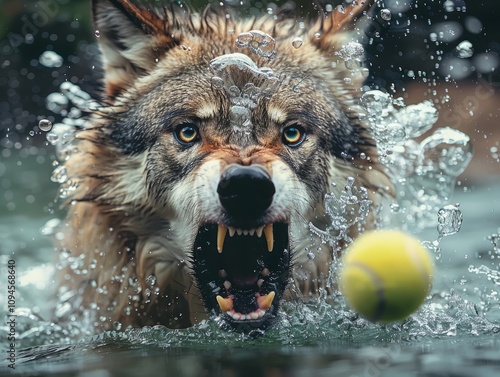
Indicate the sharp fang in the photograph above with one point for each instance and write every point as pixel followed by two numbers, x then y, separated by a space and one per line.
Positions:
pixel 264 302
pixel 265 272
pixel 225 304
pixel 231 231
pixel 227 284
pixel 221 236
pixel 268 231
pixel 259 231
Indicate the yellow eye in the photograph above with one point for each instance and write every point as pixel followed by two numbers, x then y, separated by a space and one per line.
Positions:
pixel 186 133
pixel 293 135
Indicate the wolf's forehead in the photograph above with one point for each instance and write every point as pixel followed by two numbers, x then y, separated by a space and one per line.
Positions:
pixel 245 85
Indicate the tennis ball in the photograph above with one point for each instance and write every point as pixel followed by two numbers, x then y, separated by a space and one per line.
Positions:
pixel 385 275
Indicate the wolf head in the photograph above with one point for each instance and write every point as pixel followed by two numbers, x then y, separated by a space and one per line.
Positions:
pixel 215 145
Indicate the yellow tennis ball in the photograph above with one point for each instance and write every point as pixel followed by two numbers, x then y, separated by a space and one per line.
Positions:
pixel 385 275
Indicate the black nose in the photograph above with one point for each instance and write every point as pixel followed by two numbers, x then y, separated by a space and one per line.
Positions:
pixel 245 191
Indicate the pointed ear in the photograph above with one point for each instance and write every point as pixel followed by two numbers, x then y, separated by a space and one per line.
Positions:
pixel 334 27
pixel 131 39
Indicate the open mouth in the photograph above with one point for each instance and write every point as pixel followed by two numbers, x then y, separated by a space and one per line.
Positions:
pixel 242 273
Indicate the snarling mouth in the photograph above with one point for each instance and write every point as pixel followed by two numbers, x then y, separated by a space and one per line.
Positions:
pixel 242 273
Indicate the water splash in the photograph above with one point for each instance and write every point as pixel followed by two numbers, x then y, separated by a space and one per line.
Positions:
pixel 297 42
pixel 352 53
pixel 62 134
pixel 465 49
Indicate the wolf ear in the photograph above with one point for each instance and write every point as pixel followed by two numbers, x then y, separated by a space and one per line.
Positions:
pixel 333 28
pixel 131 39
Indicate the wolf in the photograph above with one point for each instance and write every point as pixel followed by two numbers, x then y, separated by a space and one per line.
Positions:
pixel 194 182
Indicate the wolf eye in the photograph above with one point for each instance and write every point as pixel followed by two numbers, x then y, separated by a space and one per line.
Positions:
pixel 294 135
pixel 186 133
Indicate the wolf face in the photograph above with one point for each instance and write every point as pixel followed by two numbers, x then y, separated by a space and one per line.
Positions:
pixel 195 182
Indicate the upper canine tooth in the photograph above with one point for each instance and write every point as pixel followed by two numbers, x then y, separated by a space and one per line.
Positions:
pixel 221 236
pixel 225 304
pixel 264 302
pixel 259 231
pixel 268 231
pixel 231 231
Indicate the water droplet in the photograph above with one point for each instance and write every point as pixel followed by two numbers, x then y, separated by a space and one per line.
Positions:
pixel 117 325
pixel 297 42
pixel 375 101
pixel 97 33
pixel 385 14
pixel 449 220
pixel 51 59
pixel 217 82
pixel 446 151
pixel 45 125
pixel 52 138
pixel 465 49
pixel 258 43
pixel 449 5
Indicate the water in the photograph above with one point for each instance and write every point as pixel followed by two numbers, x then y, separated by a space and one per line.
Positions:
pixel 455 331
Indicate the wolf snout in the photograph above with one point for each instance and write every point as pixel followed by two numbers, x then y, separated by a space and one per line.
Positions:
pixel 245 191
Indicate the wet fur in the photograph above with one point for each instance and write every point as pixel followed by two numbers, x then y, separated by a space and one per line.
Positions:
pixel 130 215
